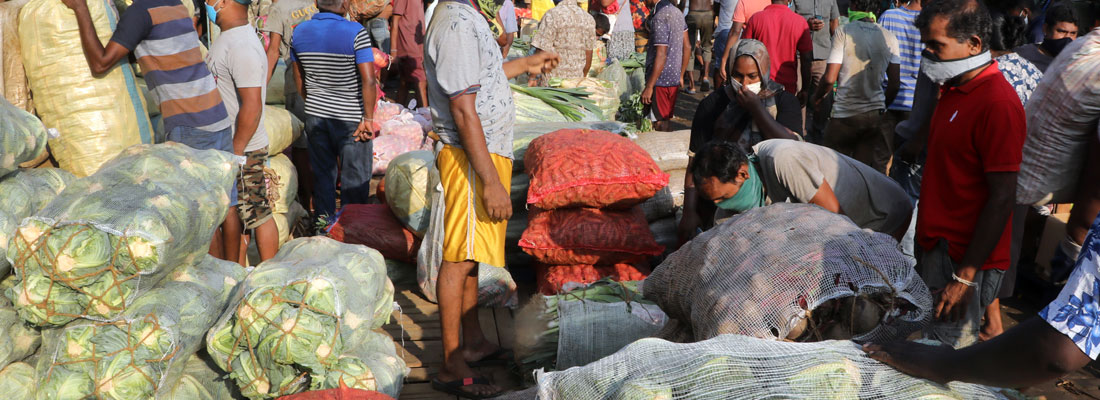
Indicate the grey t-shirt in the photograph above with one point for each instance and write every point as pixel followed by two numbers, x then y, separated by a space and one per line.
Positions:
pixel 823 40
pixel 282 17
pixel 462 56
pixel 863 50
pixel 237 60
pixel 1031 53
pixel 794 170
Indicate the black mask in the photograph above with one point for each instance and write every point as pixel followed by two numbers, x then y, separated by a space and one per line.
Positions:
pixel 1055 46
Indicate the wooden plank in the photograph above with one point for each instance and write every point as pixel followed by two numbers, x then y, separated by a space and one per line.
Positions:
pixel 414 331
pixel 506 327
pixel 423 391
pixel 412 303
pixel 488 324
pixel 419 353
pixel 421 374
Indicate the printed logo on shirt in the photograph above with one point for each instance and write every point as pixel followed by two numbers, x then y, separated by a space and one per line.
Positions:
pixel 304 12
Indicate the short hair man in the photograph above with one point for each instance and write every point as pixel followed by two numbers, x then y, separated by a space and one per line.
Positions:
pixel 568 31
pixel 1060 28
pixel 975 143
pixel 667 53
pixel 334 69
pixel 407 33
pixel 863 52
pixel 239 65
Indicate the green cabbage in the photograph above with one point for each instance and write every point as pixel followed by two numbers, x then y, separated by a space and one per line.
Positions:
pixel 139 355
pixel 23 193
pixel 836 380
pixel 113 235
pixel 17 381
pixel 199 380
pixel 17 340
pixel 304 320
pixel 22 137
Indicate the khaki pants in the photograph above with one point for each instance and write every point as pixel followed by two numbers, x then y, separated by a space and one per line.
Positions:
pixel 700 24
pixel 866 137
pixel 935 267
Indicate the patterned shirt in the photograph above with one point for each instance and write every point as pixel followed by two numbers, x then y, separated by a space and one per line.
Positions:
pixel 330 48
pixel 899 21
pixel 666 28
pixel 164 41
pixel 461 56
pixel 1073 312
pixel 1021 74
pixel 569 31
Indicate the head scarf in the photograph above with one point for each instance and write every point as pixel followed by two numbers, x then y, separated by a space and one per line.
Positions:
pixel 489 10
pixel 768 90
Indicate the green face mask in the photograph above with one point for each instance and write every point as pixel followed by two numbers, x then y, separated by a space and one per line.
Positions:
pixel 751 194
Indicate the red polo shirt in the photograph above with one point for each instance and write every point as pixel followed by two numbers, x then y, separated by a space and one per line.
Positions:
pixel 977 128
pixel 785 34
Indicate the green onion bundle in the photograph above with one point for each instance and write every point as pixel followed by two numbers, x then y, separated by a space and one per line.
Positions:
pixel 572 103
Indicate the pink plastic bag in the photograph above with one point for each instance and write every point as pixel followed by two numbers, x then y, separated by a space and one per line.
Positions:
pixel 403 125
pixel 387 147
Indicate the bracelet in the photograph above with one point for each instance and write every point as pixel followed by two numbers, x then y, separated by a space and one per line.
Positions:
pixel 962 281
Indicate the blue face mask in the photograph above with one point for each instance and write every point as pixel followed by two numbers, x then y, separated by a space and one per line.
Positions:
pixel 211 13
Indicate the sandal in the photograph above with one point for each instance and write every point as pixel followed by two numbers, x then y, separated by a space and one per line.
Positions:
pixel 500 357
pixel 455 387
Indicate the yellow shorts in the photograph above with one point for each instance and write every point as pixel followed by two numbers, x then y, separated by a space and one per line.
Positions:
pixel 468 233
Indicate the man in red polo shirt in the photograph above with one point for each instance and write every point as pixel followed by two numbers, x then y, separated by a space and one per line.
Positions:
pixel 784 33
pixel 975 141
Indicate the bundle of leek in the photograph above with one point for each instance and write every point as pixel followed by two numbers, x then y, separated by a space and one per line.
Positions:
pixel 569 102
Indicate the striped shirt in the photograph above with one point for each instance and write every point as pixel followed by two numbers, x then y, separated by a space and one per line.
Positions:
pixel 161 36
pixel 899 21
pixel 329 48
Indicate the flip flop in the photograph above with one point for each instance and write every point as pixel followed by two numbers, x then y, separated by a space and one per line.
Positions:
pixel 455 387
pixel 500 357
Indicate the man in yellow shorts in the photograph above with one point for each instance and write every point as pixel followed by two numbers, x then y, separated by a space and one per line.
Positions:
pixel 473 115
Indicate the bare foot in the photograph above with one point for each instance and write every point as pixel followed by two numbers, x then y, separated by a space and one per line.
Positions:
pixel 458 371
pixel 473 352
pixel 989 331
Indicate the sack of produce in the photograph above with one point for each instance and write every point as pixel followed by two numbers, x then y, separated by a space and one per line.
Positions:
pixel 555 279
pixel 741 367
pixel 407 189
pixel 200 380
pixel 584 325
pixel 665 232
pixel 22 137
pixel 604 93
pixel 385 111
pixel 109 237
pixel 523 134
pixel 668 149
pixel 282 127
pixel 107 114
pixel 17 380
pixel 285 222
pixel 588 236
pixel 616 74
pixel 403 124
pixel 23 193
pixel 13 80
pixel 571 104
pixel 1061 119
pixel 661 205
pixel 141 354
pixel 532 110
pixel 296 320
pixel 17 340
pixel 386 148
pixel 571 168
pixel 791 271
pixel 374 226
pixel 283 179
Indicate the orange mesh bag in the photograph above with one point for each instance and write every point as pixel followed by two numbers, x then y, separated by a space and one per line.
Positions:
pixel 556 279
pixel 588 236
pixel 374 226
pixel 587 168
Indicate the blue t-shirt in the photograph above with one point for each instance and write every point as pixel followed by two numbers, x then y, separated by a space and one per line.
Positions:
pixel 899 21
pixel 330 47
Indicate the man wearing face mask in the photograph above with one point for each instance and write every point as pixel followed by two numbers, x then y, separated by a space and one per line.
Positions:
pixel 975 140
pixel 799 172
pixel 1060 28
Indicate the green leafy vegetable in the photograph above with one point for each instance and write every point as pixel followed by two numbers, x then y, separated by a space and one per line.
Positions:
pixel 572 103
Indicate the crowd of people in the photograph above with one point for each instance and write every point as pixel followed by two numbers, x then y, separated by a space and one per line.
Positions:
pixel 812 101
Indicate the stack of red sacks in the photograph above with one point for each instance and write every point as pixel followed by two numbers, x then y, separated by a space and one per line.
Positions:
pixel 585 223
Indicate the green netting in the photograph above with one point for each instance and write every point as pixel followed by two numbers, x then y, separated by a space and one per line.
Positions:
pixel 22 137
pixel 23 193
pixel 141 354
pixel 303 321
pixel 113 235
pixel 200 380
pixel 17 381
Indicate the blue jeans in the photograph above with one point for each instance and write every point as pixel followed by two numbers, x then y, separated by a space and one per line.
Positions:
pixel 204 140
pixel 379 33
pixel 330 139
pixel 720 39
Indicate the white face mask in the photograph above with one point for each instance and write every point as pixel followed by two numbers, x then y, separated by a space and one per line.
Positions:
pixel 736 86
pixel 753 87
pixel 941 71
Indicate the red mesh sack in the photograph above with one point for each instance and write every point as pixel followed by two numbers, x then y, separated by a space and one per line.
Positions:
pixel 587 168
pixel 374 226
pixel 342 393
pixel 571 236
pixel 554 279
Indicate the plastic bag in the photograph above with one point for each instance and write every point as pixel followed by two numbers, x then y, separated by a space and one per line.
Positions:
pixel 282 127
pixel 386 148
pixel 143 353
pixel 374 226
pixel 592 236
pixel 296 319
pixel 403 125
pixel 782 272
pixel 107 114
pixel 741 367
pixel 111 236
pixel 284 181
pixel 22 137
pixel 570 168
pixel 13 81
pixel 617 74
pixel 23 193
pixel 385 111
pixel 407 189
pixel 17 381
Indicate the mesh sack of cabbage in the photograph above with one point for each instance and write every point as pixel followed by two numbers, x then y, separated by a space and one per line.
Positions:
pixel 583 325
pixel 301 319
pixel 199 379
pixel 17 340
pixel 17 381
pixel 141 354
pixel 113 235
pixel 741 367
pixel 23 193
pixel 793 271
pixel 22 137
